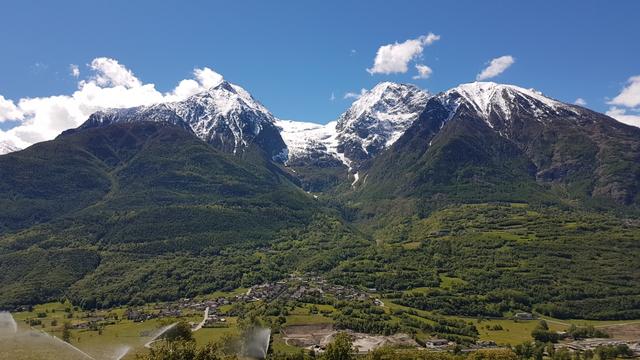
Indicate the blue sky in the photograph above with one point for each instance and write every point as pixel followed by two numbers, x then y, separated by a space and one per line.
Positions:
pixel 293 55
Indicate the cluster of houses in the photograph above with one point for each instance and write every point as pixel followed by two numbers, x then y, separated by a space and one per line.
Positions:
pixel 138 315
pixel 202 305
pixel 89 322
pixel 298 287
pixel 214 321
pixel 293 288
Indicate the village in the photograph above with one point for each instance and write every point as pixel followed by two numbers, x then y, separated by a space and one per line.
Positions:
pixel 299 288
pixel 295 288
pixel 312 323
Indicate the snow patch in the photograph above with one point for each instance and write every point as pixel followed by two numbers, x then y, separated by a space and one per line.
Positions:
pixel 7 147
pixel 488 97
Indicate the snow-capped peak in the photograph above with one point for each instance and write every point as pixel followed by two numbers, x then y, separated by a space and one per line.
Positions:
pixel 227 97
pixel 373 122
pixel 7 147
pixel 385 101
pixel 488 97
pixel 225 115
pixel 378 118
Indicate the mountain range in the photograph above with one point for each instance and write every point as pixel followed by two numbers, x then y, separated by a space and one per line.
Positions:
pixel 504 131
pixel 403 187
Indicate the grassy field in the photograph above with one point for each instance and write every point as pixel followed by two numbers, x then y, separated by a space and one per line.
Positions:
pixel 513 332
pixel 113 339
pixel 517 332
pixel 207 335
pixel 307 320
pixel 278 345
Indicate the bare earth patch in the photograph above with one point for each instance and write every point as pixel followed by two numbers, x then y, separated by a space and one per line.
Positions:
pixel 319 335
pixel 630 331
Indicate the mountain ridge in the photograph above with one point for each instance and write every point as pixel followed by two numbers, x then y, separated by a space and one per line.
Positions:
pixel 561 147
pixel 225 115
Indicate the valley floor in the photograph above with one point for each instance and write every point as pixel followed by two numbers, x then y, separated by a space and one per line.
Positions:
pixel 120 333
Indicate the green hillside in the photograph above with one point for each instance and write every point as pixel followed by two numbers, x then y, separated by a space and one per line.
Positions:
pixel 129 214
pixel 141 212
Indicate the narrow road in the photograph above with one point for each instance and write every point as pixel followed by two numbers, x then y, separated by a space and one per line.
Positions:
pixel 555 322
pixel 201 324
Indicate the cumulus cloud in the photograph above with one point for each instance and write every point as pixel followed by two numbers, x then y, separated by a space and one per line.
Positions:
pixel 207 77
pixel 355 95
pixel 395 58
pixel 580 102
pixel 9 110
pixel 74 70
pixel 423 72
pixel 109 72
pixel 628 100
pixel 630 94
pixel 110 85
pixel 496 67
pixel 625 117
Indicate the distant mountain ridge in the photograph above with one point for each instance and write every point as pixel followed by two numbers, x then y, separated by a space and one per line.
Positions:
pixel 226 116
pixel 373 122
pixel 230 119
pixel 552 138
pixel 324 156
pixel 489 137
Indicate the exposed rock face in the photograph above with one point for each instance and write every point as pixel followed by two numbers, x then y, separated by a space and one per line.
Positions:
pixel 377 119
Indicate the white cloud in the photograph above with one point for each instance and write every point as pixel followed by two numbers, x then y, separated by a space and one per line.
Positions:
pixel 395 58
pixel 628 101
pixel 332 97
pixel 355 95
pixel 109 72
pixel 75 71
pixel 496 67
pixel 423 72
pixel 580 102
pixel 111 85
pixel 624 117
pixel 630 94
pixel 9 110
pixel 207 77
